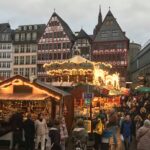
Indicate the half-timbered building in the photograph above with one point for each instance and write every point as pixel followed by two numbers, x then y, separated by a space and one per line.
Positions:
pixel 55 44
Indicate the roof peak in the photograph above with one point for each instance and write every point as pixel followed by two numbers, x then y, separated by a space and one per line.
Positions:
pixel 109 13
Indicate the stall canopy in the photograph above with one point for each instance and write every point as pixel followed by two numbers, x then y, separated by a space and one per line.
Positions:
pixel 21 88
pixel 143 89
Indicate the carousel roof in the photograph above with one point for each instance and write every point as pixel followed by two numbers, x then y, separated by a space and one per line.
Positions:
pixel 78 59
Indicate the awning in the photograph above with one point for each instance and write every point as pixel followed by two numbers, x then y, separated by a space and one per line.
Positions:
pixel 24 97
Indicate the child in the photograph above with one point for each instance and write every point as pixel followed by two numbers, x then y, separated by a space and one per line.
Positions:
pixel 107 133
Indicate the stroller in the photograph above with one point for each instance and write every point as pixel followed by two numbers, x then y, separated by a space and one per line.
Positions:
pixel 79 138
pixel 79 145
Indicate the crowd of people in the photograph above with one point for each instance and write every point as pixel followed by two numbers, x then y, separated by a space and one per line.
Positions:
pixel 38 134
pixel 132 120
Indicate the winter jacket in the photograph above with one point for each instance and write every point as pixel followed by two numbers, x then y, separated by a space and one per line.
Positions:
pixel 143 138
pixel 126 129
pixel 29 128
pixel 54 135
pixel 99 127
pixel 40 127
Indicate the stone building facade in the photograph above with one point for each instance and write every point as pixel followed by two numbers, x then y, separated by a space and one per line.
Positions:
pixel 140 67
pixel 110 45
pixel 6 51
pixel 25 49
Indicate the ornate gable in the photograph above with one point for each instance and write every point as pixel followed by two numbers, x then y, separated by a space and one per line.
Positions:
pixel 57 30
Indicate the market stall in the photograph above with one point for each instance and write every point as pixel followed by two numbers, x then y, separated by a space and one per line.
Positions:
pixel 19 94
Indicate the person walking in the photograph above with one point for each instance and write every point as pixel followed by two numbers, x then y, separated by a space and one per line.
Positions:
pixel 40 131
pixel 112 124
pixel 63 133
pixel 143 136
pixel 126 131
pixel 54 135
pixel 29 133
pixel 98 131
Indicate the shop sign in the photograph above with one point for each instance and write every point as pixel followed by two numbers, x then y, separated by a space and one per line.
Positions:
pixel 87 101
pixel 87 98
pixel 87 95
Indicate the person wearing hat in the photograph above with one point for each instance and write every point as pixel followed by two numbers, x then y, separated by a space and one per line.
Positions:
pixel 143 136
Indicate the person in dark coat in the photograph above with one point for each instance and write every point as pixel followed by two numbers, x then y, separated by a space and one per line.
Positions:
pixel 126 131
pixel 17 127
pixel 29 133
pixel 54 135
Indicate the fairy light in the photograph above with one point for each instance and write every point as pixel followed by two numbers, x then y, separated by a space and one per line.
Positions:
pixel 80 66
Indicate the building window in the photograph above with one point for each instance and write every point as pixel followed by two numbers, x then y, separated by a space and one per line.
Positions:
pixel 34 48
pixel 4 55
pixel 16 60
pixel 59 45
pixel 35 27
pixel 68 45
pixel 25 28
pixel 22 36
pixel 39 47
pixel 8 55
pixel 22 49
pixel 21 60
pixel 27 59
pixel 21 71
pixel 34 36
pixel 28 49
pixel 33 59
pixel 64 45
pixel 28 36
pixel 15 71
pixel 33 71
pixel 16 37
pixel 9 46
pixel 30 27
pixel 7 64
pixel 27 72
pixel 17 49
pixel 50 46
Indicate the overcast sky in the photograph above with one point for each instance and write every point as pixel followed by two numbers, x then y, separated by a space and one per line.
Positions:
pixel 132 15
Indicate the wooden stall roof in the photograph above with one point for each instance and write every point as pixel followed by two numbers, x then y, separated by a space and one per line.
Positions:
pixel 24 97
pixel 48 88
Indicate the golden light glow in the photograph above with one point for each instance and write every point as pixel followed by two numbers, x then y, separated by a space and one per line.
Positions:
pixel 79 66
pixel 36 90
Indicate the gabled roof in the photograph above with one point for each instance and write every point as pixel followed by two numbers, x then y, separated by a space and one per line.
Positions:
pixel 5 27
pixel 65 26
pixel 110 30
pixel 83 35
pixel 37 83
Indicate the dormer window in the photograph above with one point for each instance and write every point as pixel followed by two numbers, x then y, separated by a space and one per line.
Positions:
pixel 30 27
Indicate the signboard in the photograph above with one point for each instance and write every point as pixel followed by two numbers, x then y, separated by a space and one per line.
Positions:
pixel 87 98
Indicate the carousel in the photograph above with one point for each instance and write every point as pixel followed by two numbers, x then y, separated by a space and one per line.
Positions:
pixel 80 70
pixel 85 76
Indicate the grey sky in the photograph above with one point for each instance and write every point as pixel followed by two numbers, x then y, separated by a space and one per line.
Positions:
pixel 132 15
